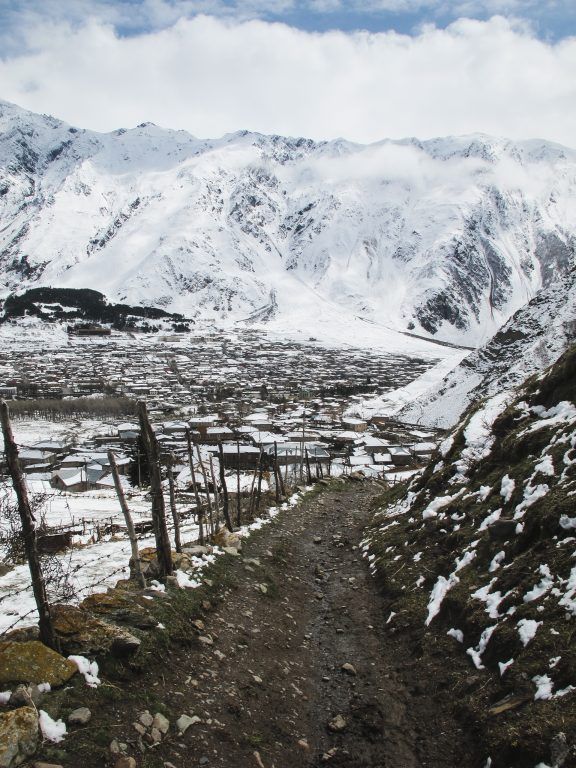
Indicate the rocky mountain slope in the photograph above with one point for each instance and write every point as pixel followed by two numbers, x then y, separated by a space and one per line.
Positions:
pixel 477 559
pixel 445 238
pixel 531 340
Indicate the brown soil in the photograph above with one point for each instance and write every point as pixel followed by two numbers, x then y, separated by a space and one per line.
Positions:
pixel 272 680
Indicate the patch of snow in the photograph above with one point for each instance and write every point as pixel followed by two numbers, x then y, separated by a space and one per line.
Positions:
pixel 52 730
pixel 489 519
pixel 542 587
pixel 438 503
pixel 527 629
pixel 496 561
pixel 545 467
pixel 543 687
pixel 503 666
pixel 476 653
pixel 507 488
pixel 439 591
pixel 87 668
pixel 532 493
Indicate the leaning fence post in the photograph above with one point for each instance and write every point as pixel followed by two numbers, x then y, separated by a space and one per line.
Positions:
pixel 225 504
pixel 128 519
pixel 47 633
pixel 173 509
pixel 163 549
pixel 196 494
pixel 238 500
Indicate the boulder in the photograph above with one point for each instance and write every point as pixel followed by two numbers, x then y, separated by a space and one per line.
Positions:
pixel 148 563
pixel 196 550
pixel 80 716
pixel 18 736
pixel 161 722
pixel 337 724
pixel 83 634
pixel 182 561
pixel 33 662
pixel 121 607
pixel 223 538
pixel 185 721
pixel 27 695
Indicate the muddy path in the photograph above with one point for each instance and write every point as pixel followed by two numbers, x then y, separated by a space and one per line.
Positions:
pixel 267 678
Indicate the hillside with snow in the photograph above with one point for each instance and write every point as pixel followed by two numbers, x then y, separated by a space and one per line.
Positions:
pixel 445 238
pixel 476 558
pixel 534 338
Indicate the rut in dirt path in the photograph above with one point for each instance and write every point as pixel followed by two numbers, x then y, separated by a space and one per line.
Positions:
pixel 296 666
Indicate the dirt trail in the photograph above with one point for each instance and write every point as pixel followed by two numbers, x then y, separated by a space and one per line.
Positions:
pixel 272 680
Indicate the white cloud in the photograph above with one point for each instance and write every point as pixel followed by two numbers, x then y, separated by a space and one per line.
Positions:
pixel 211 76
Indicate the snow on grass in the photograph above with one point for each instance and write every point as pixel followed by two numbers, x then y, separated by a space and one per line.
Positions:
pixel 489 519
pixel 438 503
pixel 542 587
pixel 532 493
pixel 457 634
pixel 439 591
pixel 492 599
pixel 527 629
pixel 504 665
pixel 507 488
pixel 496 561
pixel 87 668
pixel 543 687
pixel 568 600
pixel 562 413
pixel 465 560
pixel 545 467
pixel 52 730
pixel 476 653
pixel 478 435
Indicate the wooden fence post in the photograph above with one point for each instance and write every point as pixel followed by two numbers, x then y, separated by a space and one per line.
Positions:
pixel 163 550
pixel 216 494
pixel 225 507
pixel 128 519
pixel 238 500
pixel 196 494
pixel 252 498
pixel 308 472
pixel 205 478
pixel 47 634
pixel 173 508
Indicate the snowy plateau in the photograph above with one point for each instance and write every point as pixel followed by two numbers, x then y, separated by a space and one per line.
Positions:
pixel 445 239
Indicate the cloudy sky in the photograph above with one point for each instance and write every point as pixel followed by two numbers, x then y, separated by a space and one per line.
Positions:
pixel 361 69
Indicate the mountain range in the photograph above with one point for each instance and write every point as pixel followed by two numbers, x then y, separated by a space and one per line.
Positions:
pixel 444 239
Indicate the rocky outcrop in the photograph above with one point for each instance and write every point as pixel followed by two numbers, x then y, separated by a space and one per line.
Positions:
pixel 81 633
pixel 18 736
pixel 33 662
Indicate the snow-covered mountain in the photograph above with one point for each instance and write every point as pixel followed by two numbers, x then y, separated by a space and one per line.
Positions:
pixel 444 238
pixel 534 338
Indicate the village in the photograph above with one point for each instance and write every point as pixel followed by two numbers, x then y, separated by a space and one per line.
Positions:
pixel 237 413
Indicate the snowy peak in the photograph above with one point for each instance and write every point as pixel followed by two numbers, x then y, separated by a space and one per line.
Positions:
pixel 444 238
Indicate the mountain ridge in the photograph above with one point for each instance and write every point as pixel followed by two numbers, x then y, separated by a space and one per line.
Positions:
pixel 445 238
